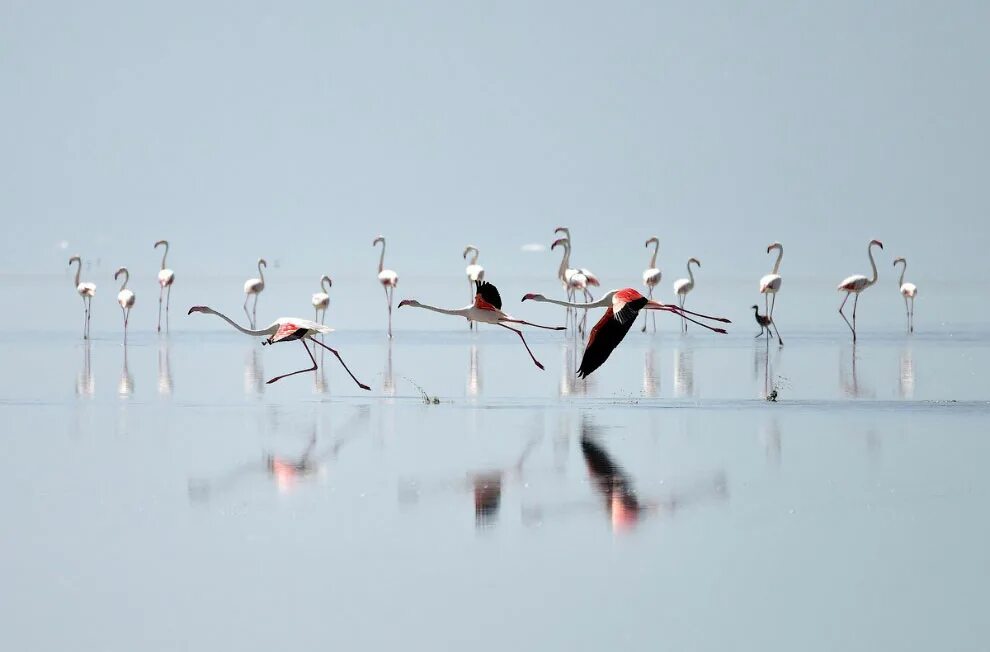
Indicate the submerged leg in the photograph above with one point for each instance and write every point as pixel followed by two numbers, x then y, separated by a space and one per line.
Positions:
pixel 519 333
pixel 301 371
pixel 334 351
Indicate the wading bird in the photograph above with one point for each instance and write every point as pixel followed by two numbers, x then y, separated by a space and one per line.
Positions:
pixel 254 286
pixel 573 280
pixel 475 273
pixel 623 307
pixel 86 291
pixel 908 291
pixel 765 321
pixel 684 285
pixel 286 329
pixel 165 279
pixel 770 283
pixel 856 284
pixel 486 309
pixel 321 300
pixel 588 274
pixel 125 298
pixel 388 278
pixel 651 277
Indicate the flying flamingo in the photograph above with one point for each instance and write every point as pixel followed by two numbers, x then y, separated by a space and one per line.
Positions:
pixel 286 329
pixel 86 291
pixel 165 279
pixel 475 273
pixel 254 286
pixel 322 299
pixel 908 291
pixel 856 284
pixel 651 277
pixel 623 308
pixel 684 285
pixel 487 309
pixel 125 298
pixel 588 274
pixel 388 278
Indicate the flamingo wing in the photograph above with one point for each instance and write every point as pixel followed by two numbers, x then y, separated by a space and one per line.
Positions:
pixel 489 294
pixel 610 330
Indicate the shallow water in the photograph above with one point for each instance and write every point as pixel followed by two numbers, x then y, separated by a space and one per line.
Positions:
pixel 163 497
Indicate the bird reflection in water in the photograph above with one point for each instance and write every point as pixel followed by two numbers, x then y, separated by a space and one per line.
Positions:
pixel 474 377
pixel 906 384
pixel 164 366
pixel 761 365
pixel 388 377
pixel 651 383
pixel 126 385
pixel 570 384
pixel 254 373
pixel 848 378
pixel 85 383
pixel 320 378
pixel 683 372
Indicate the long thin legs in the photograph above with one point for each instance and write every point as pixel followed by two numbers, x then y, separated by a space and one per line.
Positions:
pixel 254 310
pixel 85 319
pixel 855 304
pixel 126 313
pixel 470 301
pixel 851 327
pixel 388 302
pixel 301 371
pixel 519 333
pixel 549 328
pixel 909 309
pixel 247 297
pixel 161 295
pixel 912 314
pixel 334 351
pixel 680 300
pixel 168 300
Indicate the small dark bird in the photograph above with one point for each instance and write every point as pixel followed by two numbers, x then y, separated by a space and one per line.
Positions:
pixel 765 323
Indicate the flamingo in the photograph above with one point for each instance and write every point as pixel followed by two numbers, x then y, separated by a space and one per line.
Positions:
pixel 321 300
pixel 651 277
pixel 770 283
pixel 573 280
pixel 165 279
pixel 908 291
pixel 254 286
pixel 487 309
pixel 286 329
pixel 588 274
pixel 86 291
pixel 684 285
pixel 125 298
pixel 475 273
pixel 856 284
pixel 388 278
pixel 623 308
pixel 765 322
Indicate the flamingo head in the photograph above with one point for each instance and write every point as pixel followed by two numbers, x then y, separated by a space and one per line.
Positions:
pixel 469 248
pixel 534 297
pixel 652 240
pixel 263 262
pixel 122 270
pixel 198 309
pixel 900 259
pixel 328 280
pixel 774 245
pixel 380 239
pixel 75 259
pixel 695 261
pixel 161 242
pixel 559 241
pixel 563 229
pixel 409 302
pixel 877 243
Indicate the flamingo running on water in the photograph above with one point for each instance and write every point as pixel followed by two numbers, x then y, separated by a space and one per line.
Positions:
pixel 487 309
pixel 254 286
pixel 684 285
pixel 770 283
pixel 321 300
pixel 651 277
pixel 165 279
pixel 623 308
pixel 908 291
pixel 475 273
pixel 388 278
pixel 125 298
pixel 286 329
pixel 86 291
pixel 856 284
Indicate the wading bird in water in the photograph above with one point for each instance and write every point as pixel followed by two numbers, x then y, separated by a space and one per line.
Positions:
pixel 908 291
pixel 165 279
pixel 856 284
pixel 764 321
pixel 487 309
pixel 684 285
pixel 588 274
pixel 475 273
pixel 254 286
pixel 651 277
pixel 623 307
pixel 573 280
pixel 125 298
pixel 770 283
pixel 86 291
pixel 321 300
pixel 286 329
pixel 388 278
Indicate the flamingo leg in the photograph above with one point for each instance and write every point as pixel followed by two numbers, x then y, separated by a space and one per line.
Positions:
pixel 841 306
pixel 161 292
pixel 89 317
pixel 254 310
pixel 334 351
pixel 855 304
pixel 85 319
pixel 907 312
pixel 773 302
pixel 912 314
pixel 645 318
pixel 654 314
pixel 520 321
pixel 168 300
pixel 693 321
pixel 247 297
pixel 301 371
pixel 470 301
pixel 680 300
pixel 519 333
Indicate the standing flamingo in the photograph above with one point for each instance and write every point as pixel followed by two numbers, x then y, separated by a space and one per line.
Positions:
pixel 286 329
pixel 475 273
pixel 125 298
pixel 651 277
pixel 908 291
pixel 623 308
pixel 770 283
pixel 165 279
pixel 588 274
pixel 254 286
pixel 684 285
pixel 86 291
pixel 487 309
pixel 321 300
pixel 388 278
pixel 856 284
pixel 572 279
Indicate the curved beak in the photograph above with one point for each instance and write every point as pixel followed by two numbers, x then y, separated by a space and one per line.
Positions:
pixel 405 302
pixel 558 241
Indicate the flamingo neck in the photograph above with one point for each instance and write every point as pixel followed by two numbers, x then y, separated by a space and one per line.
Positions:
pixel 460 312
pixel 78 271
pixel 565 261
pixel 261 274
pixel 653 259
pixel 127 277
pixel 247 331
pixel 873 263
pixel 690 273
pixel 605 301
pixel 323 286
pixel 903 270
pixel 780 255
pixel 474 256
pixel 381 259
pixel 164 255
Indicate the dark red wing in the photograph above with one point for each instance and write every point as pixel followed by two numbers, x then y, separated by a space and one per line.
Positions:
pixel 489 293
pixel 607 334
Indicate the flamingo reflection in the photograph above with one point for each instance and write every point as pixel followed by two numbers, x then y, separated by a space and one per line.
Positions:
pixel 684 372
pixel 848 378
pixel 906 381
pixel 125 387
pixel 164 366
pixel 388 377
pixel 254 373
pixel 650 380
pixel 474 377
pixel 85 383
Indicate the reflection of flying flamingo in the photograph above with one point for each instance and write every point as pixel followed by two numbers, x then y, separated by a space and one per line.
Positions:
pixel 651 277
pixel 765 322
pixel 856 284
pixel 254 287
pixel 125 298
pixel 770 284
pixel 165 279
pixel 286 329
pixel 623 307
pixel 86 291
pixel 388 278
pixel 487 309
pixel 908 291
pixel 684 285
pixel 322 299
pixel 475 273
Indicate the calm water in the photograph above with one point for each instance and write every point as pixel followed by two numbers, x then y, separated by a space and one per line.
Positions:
pixel 163 497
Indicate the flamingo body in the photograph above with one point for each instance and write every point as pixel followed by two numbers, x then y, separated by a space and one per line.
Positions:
pixel 166 277
pixel 125 298
pixel 86 292
pixel 770 284
pixel 909 290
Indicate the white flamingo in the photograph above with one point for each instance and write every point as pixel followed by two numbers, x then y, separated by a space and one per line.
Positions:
pixel 254 287
pixel 125 298
pixel 908 291
pixel 572 279
pixel 652 277
pixel 321 300
pixel 86 291
pixel 856 284
pixel 165 279
pixel 590 277
pixel 770 285
pixel 683 286
pixel 475 273
pixel 388 278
